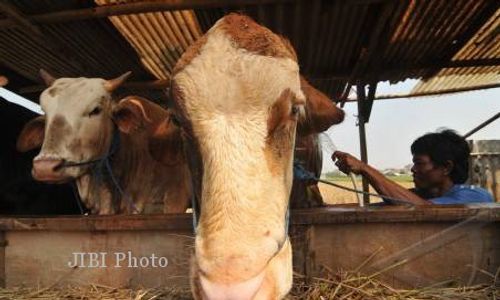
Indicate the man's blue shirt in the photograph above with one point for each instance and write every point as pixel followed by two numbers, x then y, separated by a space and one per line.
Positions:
pixel 463 194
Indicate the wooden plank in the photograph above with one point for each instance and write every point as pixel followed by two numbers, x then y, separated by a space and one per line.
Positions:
pixel 411 254
pixel 99 223
pixel 389 71
pixel 131 259
pixel 138 85
pixel 336 246
pixel 434 213
pixel 321 215
pixel 136 8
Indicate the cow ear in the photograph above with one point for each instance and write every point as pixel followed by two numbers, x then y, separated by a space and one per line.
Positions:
pixel 32 135
pixel 321 112
pixel 113 84
pixel 129 114
pixel 165 143
pixel 47 78
pixel 3 81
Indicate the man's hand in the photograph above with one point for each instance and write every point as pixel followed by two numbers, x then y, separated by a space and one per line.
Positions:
pixel 347 163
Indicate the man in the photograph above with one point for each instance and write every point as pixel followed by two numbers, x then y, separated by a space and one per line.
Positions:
pixel 440 167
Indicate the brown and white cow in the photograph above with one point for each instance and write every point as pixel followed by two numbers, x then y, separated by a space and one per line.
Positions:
pixel 82 123
pixel 238 98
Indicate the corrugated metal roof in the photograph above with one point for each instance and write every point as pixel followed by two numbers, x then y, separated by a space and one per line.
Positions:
pixel 484 45
pixel 89 48
pixel 159 38
pixel 336 41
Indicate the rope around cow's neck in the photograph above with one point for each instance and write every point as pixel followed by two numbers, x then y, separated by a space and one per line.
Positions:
pixel 105 161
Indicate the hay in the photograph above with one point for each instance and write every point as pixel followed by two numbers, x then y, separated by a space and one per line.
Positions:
pixel 341 285
pixel 93 292
pixel 350 285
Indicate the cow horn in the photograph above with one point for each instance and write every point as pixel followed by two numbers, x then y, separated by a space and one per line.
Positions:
pixel 113 84
pixel 47 78
pixel 3 81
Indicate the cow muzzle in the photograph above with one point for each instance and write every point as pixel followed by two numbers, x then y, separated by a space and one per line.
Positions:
pixel 49 170
pixel 242 291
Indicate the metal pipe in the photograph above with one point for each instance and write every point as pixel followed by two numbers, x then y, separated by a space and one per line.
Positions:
pixel 482 125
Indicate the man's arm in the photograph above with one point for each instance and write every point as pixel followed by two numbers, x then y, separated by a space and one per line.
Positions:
pixel 385 187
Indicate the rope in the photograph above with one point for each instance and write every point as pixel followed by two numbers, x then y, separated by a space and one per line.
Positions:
pixel 104 161
pixel 77 197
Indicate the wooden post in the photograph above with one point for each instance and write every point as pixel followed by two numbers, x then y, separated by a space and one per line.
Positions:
pixel 362 137
pixel 3 244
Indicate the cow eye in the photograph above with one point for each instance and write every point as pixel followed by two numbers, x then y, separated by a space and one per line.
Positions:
pixel 95 111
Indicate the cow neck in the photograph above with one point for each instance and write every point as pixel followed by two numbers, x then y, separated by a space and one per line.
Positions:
pixel 120 167
pixel 104 172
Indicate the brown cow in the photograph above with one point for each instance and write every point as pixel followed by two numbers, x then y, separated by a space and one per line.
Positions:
pixel 83 124
pixel 238 98
pixel 306 193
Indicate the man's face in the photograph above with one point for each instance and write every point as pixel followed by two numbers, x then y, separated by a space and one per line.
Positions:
pixel 426 175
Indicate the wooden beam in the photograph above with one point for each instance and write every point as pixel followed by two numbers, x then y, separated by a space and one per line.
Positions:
pixel 362 138
pixel 18 18
pixel 367 53
pixel 369 101
pixel 136 8
pixel 435 93
pixel 370 74
pixel 338 214
pixel 390 71
pixel 138 85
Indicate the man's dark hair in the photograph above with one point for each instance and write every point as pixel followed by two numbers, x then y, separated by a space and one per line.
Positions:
pixel 445 146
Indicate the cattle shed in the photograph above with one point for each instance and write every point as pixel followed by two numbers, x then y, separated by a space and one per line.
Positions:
pixel 451 46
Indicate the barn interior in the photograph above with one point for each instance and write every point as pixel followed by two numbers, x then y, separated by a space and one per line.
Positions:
pixel 345 49
pixel 343 46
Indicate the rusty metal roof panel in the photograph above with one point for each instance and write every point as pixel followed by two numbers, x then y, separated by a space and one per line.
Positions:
pixel 484 45
pixel 430 31
pixel 159 38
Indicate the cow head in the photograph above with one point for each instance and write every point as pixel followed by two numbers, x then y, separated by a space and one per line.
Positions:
pixel 153 125
pixel 77 126
pixel 238 98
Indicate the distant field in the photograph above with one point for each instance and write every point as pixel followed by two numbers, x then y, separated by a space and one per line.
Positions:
pixel 334 195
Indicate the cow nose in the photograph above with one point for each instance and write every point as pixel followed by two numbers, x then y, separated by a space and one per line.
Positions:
pixel 242 291
pixel 46 169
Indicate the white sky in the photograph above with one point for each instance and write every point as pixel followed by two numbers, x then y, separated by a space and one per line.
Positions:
pixel 395 124
pixel 19 100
